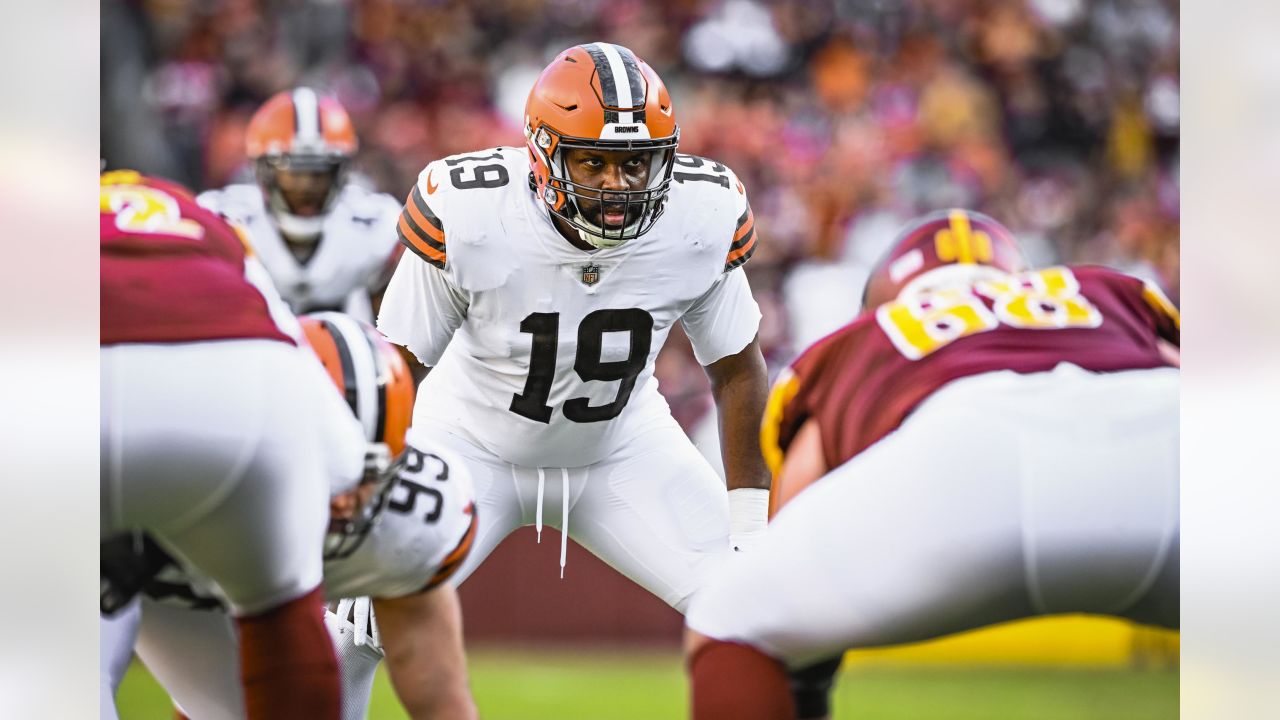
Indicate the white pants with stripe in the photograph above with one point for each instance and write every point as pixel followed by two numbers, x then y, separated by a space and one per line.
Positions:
pixel 1002 496
pixel 655 511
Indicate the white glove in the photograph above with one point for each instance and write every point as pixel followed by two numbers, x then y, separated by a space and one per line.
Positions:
pixel 359 611
pixel 748 517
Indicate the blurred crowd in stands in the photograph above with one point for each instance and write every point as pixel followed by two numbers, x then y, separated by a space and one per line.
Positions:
pixel 842 117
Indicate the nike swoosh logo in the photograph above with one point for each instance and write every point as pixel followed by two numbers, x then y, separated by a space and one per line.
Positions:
pixel 431 187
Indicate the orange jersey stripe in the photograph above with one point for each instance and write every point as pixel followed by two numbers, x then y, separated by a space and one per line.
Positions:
pixel 745 227
pixel 455 556
pixel 428 224
pixel 743 252
pixel 418 244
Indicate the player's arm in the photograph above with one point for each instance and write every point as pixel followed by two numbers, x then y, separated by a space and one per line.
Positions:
pixel 422 638
pixel 802 465
pixel 722 326
pixel 739 384
pixel 422 306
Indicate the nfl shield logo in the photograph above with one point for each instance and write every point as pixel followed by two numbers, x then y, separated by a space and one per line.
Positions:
pixel 590 274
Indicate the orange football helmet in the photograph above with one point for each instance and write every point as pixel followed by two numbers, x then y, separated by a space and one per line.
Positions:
pixel 300 143
pixel 369 372
pixel 600 96
pixel 959 241
pixel 376 383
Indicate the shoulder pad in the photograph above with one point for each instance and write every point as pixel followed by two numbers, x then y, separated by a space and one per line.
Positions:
pixel 367 206
pixel 235 202
pixel 716 188
pixel 460 200
pixel 419 228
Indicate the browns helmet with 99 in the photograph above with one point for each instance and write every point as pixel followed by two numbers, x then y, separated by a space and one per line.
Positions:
pixel 375 381
pixel 940 247
pixel 307 140
pixel 600 96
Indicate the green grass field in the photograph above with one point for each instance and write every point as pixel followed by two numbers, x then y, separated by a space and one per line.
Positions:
pixel 562 685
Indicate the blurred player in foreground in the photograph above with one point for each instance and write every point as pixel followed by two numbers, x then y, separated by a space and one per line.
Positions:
pixel 988 443
pixel 221 436
pixel 327 242
pixel 543 281
pixel 397 537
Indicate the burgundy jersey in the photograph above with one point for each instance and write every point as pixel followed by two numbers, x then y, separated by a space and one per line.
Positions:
pixel 171 270
pixel 863 380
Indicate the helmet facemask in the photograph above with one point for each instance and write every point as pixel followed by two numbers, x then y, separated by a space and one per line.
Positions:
pixel 300 190
pixel 583 206
pixel 346 533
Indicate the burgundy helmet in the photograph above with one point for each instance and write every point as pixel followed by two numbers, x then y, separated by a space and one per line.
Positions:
pixel 946 238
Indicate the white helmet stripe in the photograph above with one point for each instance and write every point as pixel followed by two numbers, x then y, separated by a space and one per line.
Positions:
pixel 306 115
pixel 621 83
pixel 363 364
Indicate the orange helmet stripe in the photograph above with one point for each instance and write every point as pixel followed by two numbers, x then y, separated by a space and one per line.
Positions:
pixel 300 120
pixel 398 394
pixel 324 346
pixel 368 371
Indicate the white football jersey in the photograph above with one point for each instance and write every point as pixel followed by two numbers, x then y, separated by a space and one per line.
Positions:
pixel 421 537
pixel 350 263
pixel 543 353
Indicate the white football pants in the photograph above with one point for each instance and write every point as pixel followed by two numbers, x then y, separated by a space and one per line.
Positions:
pixel 655 511
pixel 1002 496
pixel 227 452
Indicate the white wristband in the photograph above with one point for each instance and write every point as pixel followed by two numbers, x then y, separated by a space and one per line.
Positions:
pixel 748 516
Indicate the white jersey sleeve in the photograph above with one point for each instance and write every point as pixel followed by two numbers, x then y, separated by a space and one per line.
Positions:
pixel 724 320
pixel 423 305
pixel 421 309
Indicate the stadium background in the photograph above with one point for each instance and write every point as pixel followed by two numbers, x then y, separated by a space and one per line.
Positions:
pixel 842 117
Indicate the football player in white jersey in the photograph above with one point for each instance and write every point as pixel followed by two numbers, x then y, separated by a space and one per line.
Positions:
pixel 398 540
pixel 327 242
pixel 541 285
